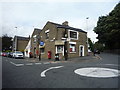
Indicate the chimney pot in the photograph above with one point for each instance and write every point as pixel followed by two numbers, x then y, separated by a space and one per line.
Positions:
pixel 65 23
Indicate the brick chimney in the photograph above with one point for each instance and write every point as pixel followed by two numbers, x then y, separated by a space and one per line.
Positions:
pixel 65 23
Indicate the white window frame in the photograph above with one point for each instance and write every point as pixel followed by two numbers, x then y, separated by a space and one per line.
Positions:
pixel 60 52
pixel 47 31
pixel 69 34
pixel 74 44
pixel 83 53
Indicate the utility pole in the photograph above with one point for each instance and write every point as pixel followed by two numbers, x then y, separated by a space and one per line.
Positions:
pixel 38 39
pixel 87 30
pixel 15 41
pixel 66 52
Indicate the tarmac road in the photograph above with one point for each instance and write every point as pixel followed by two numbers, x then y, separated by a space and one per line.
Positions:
pixel 28 74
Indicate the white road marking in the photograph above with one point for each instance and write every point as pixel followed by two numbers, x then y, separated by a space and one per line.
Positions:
pixel 43 73
pixel 46 63
pixel 98 72
pixel 12 63
pixel 38 63
pixel 19 65
pixel 29 64
pixel 16 64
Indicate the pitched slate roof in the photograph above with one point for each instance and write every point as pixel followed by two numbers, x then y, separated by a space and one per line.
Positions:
pixel 22 38
pixel 67 27
pixel 36 31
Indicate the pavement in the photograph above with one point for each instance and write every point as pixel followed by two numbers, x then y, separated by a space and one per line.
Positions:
pixel 76 59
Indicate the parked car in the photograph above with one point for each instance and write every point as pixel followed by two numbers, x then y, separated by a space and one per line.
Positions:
pixel 18 54
pixel 4 54
pixel 10 54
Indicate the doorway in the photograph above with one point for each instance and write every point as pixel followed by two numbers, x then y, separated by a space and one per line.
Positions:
pixel 81 50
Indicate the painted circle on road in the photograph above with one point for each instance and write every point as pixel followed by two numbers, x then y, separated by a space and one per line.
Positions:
pixel 97 72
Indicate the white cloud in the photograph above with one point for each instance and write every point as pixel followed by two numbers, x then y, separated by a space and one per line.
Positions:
pixel 52 1
pixel 25 15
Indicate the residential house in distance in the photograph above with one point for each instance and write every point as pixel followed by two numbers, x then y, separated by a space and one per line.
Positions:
pixel 63 40
pixel 33 44
pixel 19 43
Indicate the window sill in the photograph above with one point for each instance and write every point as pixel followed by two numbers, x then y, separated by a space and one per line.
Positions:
pixel 73 39
pixel 72 52
pixel 59 52
pixel 42 53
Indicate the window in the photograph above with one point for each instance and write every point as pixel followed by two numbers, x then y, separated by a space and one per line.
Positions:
pixel 73 34
pixel 47 35
pixel 72 48
pixel 59 49
pixel 42 50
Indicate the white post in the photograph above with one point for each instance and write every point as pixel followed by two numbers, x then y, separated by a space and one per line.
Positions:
pixel 16 41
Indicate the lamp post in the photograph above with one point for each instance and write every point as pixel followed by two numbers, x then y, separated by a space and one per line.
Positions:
pixel 87 29
pixel 38 42
pixel 15 41
pixel 66 55
pixel 87 23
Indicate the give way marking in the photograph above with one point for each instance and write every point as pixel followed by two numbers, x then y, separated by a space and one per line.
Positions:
pixel 43 73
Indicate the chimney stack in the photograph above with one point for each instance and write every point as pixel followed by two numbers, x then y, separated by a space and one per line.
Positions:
pixel 65 23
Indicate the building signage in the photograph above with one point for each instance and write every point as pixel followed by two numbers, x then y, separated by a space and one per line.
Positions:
pixel 41 43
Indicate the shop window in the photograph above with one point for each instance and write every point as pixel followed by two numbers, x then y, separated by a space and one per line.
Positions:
pixel 42 50
pixel 59 49
pixel 72 48
pixel 73 35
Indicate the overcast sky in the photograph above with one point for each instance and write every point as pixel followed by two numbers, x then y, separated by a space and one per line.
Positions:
pixel 29 14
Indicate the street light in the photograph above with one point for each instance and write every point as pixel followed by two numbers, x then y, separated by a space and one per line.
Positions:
pixel 15 41
pixel 87 29
pixel 38 42
pixel 87 23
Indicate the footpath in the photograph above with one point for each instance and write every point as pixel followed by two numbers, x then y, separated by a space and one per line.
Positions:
pixel 76 59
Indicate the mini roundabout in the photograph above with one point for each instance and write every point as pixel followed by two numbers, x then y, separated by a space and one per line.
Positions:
pixel 98 72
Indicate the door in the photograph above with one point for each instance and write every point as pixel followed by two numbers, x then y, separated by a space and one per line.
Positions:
pixel 81 50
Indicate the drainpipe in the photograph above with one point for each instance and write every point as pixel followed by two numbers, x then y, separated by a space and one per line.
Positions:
pixel 65 50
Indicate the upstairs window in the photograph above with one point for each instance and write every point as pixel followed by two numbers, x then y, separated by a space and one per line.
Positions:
pixel 47 34
pixel 73 34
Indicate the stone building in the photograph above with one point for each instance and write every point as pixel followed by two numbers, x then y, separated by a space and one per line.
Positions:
pixel 63 40
pixel 33 44
pixel 20 43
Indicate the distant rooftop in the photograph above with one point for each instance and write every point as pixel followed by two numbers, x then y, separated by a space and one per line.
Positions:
pixel 22 38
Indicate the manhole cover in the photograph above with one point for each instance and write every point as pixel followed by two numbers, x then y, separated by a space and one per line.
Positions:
pixel 98 72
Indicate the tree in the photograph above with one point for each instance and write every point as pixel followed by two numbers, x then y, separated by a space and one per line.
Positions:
pixel 6 43
pixel 98 46
pixel 108 29
pixel 91 45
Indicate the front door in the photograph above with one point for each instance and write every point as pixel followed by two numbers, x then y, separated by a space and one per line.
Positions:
pixel 81 50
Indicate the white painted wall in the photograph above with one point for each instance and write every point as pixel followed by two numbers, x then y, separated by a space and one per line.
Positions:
pixel 27 49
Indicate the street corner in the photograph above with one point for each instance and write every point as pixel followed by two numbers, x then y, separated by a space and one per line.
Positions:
pixel 97 57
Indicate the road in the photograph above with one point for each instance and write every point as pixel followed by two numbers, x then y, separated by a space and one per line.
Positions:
pixel 19 73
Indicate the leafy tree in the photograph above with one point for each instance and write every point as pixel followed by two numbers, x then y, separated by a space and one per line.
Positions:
pixel 108 29
pixel 91 45
pixel 98 46
pixel 6 43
